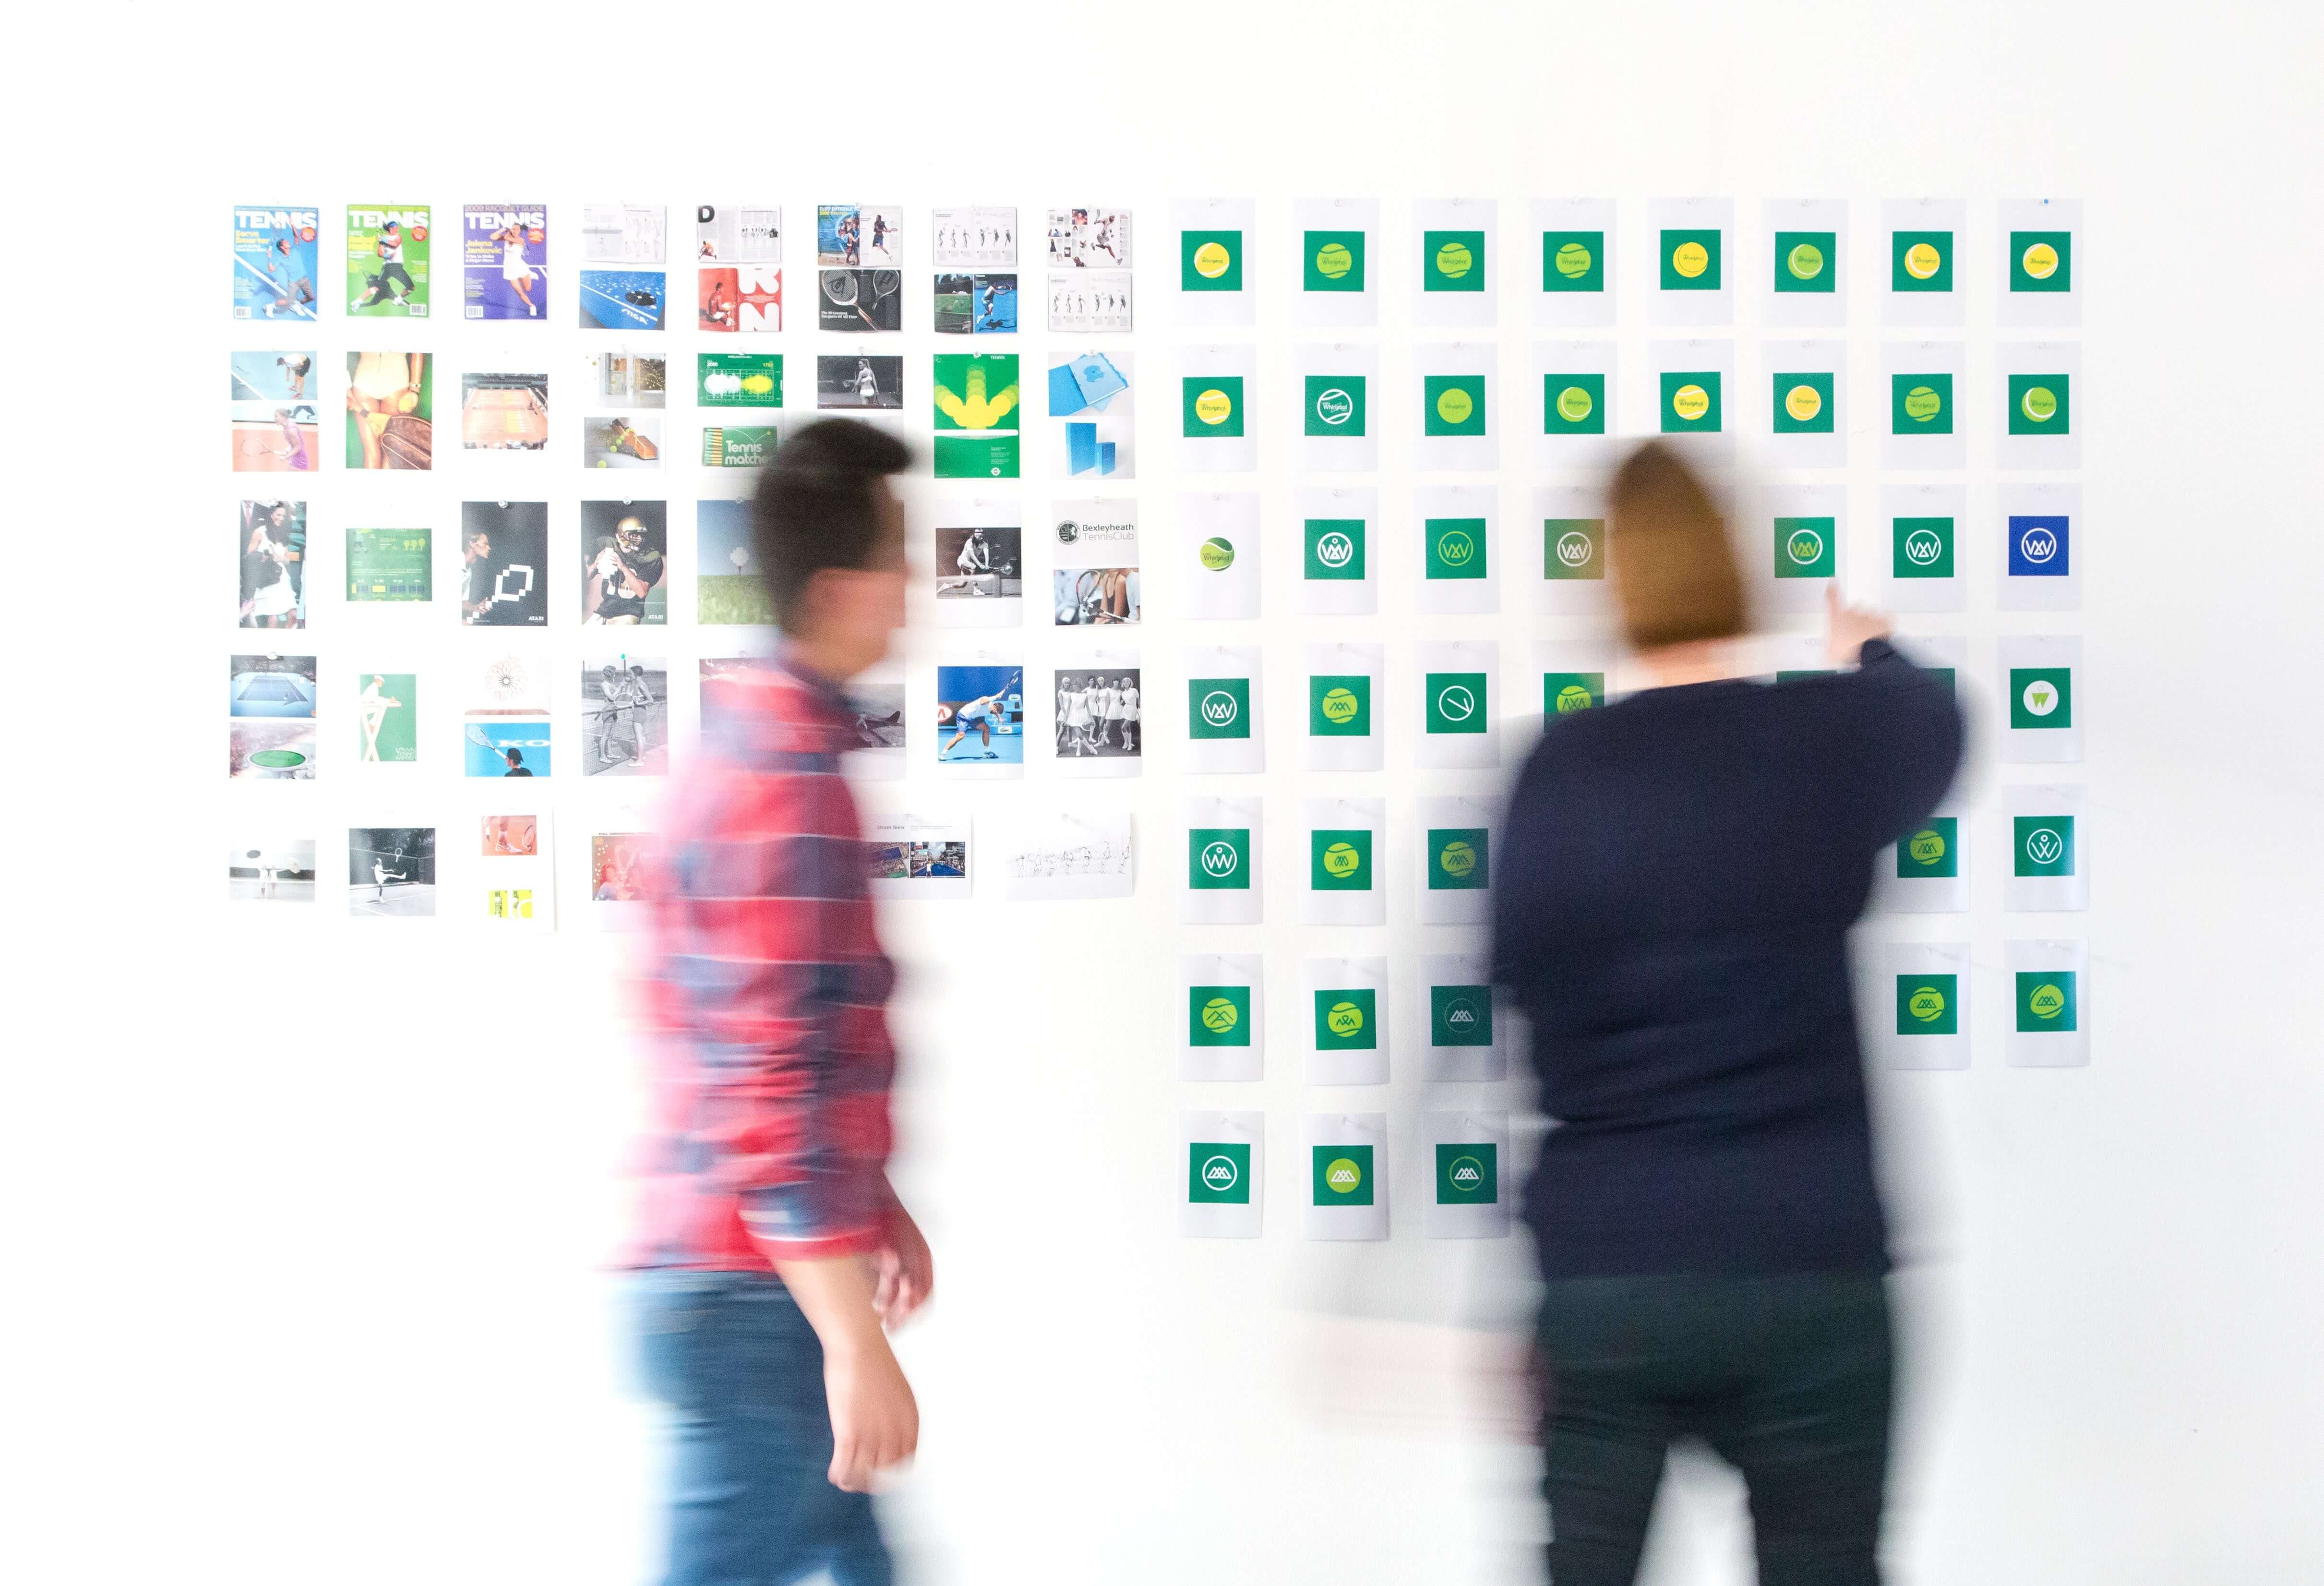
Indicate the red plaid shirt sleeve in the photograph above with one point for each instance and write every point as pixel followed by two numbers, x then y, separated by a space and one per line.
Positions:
pixel 765 1001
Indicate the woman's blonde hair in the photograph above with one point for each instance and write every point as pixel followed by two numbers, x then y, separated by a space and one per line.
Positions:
pixel 1675 574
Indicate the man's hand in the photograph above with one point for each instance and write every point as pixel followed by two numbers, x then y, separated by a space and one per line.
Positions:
pixel 904 1270
pixel 1848 626
pixel 875 1422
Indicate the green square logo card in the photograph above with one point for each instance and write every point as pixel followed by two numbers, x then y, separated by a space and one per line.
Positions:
pixel 1920 275
pixel 1456 882
pixel 1468 1153
pixel 1226 701
pixel 1464 1026
pixel 1457 266
pixel 1216 433
pixel 1339 425
pixel 1222 1025
pixel 1806 383
pixel 1564 540
pixel 1915 1003
pixel 1343 708
pixel 1692 380
pixel 1224 864
pixel 1339 268
pixel 2049 850
pixel 1346 847
pixel 1215 267
pixel 1570 397
pixel 2039 283
pixel 2038 673
pixel 1693 276
pixel 2038 380
pixel 1921 524
pixel 2050 1016
pixel 1346 1004
pixel 1926 869
pixel 1573 265
pixel 1460 575
pixel 1459 730
pixel 1803 275
pixel 1922 383
pixel 1221 1174
pixel 1457 432
pixel 1807 526
pixel 1338 558
pixel 1347 1174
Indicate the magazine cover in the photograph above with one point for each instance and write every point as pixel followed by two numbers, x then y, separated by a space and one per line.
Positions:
pixel 273 262
pixel 503 260
pixel 387 261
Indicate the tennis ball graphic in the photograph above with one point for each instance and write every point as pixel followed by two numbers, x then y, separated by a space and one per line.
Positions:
pixel 1459 859
pixel 1927 845
pixel 1573 404
pixel 1454 404
pixel 1690 259
pixel 1690 402
pixel 2046 1002
pixel 758 384
pixel 1334 406
pixel 1339 707
pixel 1921 261
pixel 1573 261
pixel 1213 406
pixel 1453 261
pixel 2040 261
pixel 1926 1004
pixel 1573 697
pixel 1219 1016
pixel 1803 402
pixel 1344 1019
pixel 1211 261
pixel 1343 1177
pixel 2039 403
pixel 1805 261
pixel 1341 860
pixel 1922 403
pixel 1217 554
pixel 1334 261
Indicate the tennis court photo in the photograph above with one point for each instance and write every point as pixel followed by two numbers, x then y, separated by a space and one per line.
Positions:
pixel 969 305
pixel 272 686
pixel 391 871
pixel 505 412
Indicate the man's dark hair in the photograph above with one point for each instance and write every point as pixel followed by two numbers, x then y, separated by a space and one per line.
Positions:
pixel 815 509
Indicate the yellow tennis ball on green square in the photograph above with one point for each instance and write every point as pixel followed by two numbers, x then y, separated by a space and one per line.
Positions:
pixel 1805 261
pixel 1339 707
pixel 1219 1016
pixel 1454 260
pixel 2046 1002
pixel 1573 697
pixel 1922 403
pixel 1454 404
pixel 1341 1175
pixel 1211 261
pixel 1690 259
pixel 1690 402
pixel 1213 406
pixel 1926 1004
pixel 1921 260
pixel 1573 261
pixel 1341 860
pixel 1927 846
pixel 2041 261
pixel 1333 260
pixel 1217 554
pixel 1345 1018
pixel 2039 403
pixel 1803 402
pixel 1574 404
pixel 1458 859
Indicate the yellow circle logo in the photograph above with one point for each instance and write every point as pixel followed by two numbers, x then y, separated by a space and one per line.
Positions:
pixel 1343 1177
pixel 1690 402
pixel 1922 403
pixel 1333 261
pixel 1573 261
pixel 1927 846
pixel 1690 259
pixel 2046 1002
pixel 2039 403
pixel 1573 697
pixel 1213 406
pixel 1344 1019
pixel 1211 261
pixel 1217 554
pixel 1803 402
pixel 1459 859
pixel 1220 1016
pixel 1453 261
pixel 1926 1004
pixel 1573 404
pixel 1805 261
pixel 2039 261
pixel 1921 260
pixel 1341 860
pixel 1454 404
pixel 1339 706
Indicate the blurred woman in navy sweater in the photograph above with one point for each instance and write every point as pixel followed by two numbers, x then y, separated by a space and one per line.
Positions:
pixel 1677 880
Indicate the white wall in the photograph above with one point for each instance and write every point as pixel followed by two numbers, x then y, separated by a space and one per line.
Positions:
pixel 309 1219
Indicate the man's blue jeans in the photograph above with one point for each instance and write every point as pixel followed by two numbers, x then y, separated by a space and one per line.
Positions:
pixel 751 1502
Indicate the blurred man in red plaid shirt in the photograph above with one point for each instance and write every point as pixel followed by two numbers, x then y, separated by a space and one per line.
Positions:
pixel 772 1250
